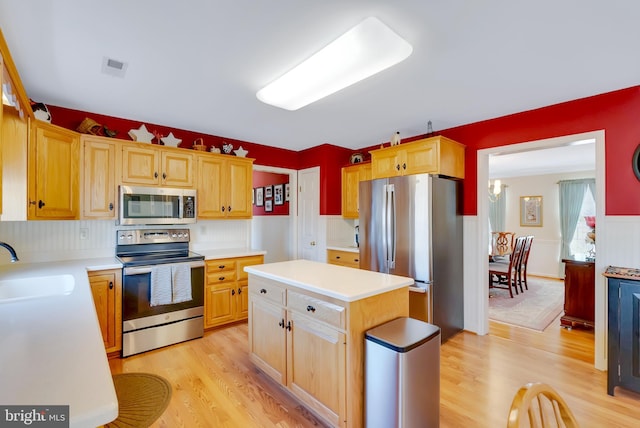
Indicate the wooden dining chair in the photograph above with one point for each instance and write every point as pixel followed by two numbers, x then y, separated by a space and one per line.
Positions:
pixel 522 266
pixel 502 243
pixel 538 405
pixel 505 276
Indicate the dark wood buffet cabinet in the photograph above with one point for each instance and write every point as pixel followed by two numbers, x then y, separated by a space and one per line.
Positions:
pixel 579 293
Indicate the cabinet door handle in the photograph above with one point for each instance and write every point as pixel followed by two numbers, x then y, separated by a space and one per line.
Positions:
pixel 221 278
pixel 311 309
pixel 164 175
pixel 239 290
pixel 398 167
pixel 155 174
pixel 110 206
pixel 221 267
pixel 40 203
pixel 281 323
pixel 263 291
pixel 404 166
pixel 229 208
pixel 110 285
pixel 233 292
pixel 223 208
pixel 356 260
pixel 289 325
pixel 337 257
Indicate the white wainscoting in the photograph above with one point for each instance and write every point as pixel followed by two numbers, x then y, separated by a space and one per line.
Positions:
pixel 46 241
pixel 274 234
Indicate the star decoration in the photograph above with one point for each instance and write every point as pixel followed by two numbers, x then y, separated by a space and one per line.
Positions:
pixel 141 134
pixel 171 141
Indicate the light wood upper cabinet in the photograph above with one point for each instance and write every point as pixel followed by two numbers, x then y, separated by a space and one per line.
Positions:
pixel 100 161
pixel 224 186
pixel 152 166
pixel 106 288
pixel 351 177
pixel 434 155
pixel 53 172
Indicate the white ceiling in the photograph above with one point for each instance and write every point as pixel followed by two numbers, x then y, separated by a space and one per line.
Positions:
pixel 569 158
pixel 198 64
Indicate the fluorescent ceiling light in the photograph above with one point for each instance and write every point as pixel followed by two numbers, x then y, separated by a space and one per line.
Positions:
pixel 366 49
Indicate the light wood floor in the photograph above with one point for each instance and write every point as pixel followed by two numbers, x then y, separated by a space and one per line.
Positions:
pixel 215 385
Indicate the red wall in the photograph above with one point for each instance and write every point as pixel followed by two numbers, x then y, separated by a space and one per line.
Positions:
pixel 616 112
pixel 331 159
pixel 262 179
pixel 263 155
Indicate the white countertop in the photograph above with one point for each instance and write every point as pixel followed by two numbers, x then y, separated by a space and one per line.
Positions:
pixel 51 348
pixel 349 248
pixel 344 283
pixel 225 253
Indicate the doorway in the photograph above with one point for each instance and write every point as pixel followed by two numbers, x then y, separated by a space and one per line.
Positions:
pixel 477 294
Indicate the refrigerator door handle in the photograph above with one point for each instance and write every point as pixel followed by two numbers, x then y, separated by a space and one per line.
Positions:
pixel 391 226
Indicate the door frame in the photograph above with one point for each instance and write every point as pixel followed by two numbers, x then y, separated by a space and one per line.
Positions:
pixel 293 201
pixel 478 298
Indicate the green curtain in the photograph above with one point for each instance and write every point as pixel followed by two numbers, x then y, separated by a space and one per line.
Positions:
pixel 571 197
pixel 498 211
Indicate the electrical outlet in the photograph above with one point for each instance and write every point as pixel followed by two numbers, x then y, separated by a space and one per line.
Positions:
pixel 84 233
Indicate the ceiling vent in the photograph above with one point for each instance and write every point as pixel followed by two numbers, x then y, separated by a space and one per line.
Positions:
pixel 113 67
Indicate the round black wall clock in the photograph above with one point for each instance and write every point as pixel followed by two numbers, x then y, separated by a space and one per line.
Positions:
pixel 635 163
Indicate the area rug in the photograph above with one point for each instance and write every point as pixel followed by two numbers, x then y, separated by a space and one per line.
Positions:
pixel 535 308
pixel 142 398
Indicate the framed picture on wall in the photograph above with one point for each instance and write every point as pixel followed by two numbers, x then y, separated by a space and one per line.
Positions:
pixel 286 192
pixel 531 211
pixel 278 194
pixel 268 205
pixel 268 192
pixel 259 196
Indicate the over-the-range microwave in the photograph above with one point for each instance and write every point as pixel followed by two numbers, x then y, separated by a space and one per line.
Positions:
pixel 156 205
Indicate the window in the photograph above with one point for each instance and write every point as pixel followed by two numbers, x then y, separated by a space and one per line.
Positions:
pixel 579 244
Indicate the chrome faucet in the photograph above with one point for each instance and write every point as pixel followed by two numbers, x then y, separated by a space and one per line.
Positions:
pixel 14 256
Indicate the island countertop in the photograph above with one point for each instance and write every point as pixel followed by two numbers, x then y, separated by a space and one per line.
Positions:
pixel 344 283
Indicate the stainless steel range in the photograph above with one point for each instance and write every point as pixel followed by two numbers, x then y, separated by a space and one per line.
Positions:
pixel 163 289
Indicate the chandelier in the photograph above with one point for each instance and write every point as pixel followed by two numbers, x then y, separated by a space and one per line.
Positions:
pixel 495 190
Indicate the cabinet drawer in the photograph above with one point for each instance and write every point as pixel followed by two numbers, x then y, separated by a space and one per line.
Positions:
pixel 343 258
pixel 248 261
pixel 266 289
pixel 220 265
pixel 222 276
pixel 316 308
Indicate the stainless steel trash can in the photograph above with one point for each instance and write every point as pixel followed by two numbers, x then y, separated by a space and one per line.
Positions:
pixel 402 375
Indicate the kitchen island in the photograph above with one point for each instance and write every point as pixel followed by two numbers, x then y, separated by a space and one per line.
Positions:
pixel 306 330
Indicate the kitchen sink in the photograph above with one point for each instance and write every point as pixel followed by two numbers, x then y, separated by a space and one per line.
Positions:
pixel 12 290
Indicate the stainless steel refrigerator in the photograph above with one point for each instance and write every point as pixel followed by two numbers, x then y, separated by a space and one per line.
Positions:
pixel 412 226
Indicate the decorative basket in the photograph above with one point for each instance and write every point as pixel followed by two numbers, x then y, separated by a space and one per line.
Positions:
pixel 89 126
pixel 198 144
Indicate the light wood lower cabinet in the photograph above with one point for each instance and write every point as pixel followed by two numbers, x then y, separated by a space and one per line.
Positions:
pixel 226 290
pixel 106 288
pixel 343 258
pixel 314 344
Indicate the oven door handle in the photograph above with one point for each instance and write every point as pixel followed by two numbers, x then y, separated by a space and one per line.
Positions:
pixel 147 269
